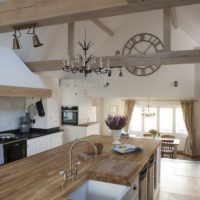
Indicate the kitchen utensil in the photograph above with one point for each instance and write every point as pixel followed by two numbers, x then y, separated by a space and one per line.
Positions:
pixel 24 128
pixel 32 110
pixel 40 108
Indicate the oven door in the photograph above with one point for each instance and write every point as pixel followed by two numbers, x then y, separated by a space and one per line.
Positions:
pixel 15 151
pixel 70 117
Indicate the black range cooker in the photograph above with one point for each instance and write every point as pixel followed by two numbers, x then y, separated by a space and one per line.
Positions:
pixel 12 147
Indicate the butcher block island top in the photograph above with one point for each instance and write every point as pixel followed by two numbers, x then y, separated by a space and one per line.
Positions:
pixel 37 177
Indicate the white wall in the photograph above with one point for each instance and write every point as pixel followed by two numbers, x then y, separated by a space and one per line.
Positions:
pixel 51 105
pixel 80 98
pixel 11 109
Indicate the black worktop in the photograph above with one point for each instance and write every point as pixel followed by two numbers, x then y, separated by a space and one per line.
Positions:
pixel 34 133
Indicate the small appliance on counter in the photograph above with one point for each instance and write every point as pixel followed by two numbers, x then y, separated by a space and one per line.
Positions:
pixel 25 123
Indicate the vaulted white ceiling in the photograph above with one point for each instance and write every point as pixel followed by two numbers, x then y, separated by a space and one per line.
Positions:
pixel 189 21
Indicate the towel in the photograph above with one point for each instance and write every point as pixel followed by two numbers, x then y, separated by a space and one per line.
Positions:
pixel 40 108
pixel 1 155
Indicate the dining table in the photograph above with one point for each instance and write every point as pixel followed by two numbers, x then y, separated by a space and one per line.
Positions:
pixel 175 143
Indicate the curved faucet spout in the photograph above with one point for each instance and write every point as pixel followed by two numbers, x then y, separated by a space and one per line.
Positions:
pixel 72 172
pixel 74 144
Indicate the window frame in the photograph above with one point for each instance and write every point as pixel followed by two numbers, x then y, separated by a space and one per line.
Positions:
pixel 174 107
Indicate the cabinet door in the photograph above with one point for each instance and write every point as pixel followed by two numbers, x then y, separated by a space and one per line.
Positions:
pixel 32 147
pixel 43 143
pixel 93 129
pixel 133 192
pixel 55 140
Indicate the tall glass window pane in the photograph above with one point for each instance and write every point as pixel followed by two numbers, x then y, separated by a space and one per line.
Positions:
pixel 136 120
pixel 166 120
pixel 180 125
pixel 150 122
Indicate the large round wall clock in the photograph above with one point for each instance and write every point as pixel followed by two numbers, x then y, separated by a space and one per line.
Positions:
pixel 141 44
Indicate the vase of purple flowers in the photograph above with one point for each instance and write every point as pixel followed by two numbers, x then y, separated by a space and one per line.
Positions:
pixel 116 123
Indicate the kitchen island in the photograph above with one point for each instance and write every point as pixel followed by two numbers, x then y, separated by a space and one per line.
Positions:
pixel 37 177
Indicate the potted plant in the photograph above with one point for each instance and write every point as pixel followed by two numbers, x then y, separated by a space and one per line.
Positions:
pixel 154 133
pixel 116 123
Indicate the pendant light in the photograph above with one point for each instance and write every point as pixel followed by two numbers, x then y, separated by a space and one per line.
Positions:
pixel 148 113
pixel 16 42
pixel 36 41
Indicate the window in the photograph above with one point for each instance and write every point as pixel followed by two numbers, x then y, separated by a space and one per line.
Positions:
pixel 136 120
pixel 168 119
pixel 180 125
pixel 150 122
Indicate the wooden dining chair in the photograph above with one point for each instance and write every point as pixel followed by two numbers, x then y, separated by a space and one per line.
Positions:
pixel 168 137
pixel 167 148
pixel 147 135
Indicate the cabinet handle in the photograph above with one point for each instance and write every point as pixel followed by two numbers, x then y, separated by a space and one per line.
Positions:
pixel 135 187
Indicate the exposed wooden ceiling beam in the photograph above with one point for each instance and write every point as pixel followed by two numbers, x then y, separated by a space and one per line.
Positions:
pixel 71 30
pixel 167 29
pixel 160 58
pixel 103 27
pixel 51 12
pixel 174 19
pixel 14 91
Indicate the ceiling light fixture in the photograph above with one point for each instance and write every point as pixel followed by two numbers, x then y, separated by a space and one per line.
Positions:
pixel 147 112
pixel 16 42
pixel 85 63
pixel 36 41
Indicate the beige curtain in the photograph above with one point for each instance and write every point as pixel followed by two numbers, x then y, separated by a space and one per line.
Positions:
pixel 128 110
pixel 187 108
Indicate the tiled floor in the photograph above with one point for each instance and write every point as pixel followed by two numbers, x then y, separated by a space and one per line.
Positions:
pixel 180 180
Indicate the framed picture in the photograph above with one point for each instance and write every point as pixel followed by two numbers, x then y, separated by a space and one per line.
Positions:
pixel 113 109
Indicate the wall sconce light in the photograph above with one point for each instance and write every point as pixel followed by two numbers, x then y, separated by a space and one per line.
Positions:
pixel 16 42
pixel 120 73
pixel 36 41
pixel 175 83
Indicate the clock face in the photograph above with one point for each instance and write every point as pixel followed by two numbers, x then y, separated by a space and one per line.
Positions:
pixel 141 44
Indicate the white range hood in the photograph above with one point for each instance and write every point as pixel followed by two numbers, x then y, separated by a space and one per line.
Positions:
pixel 13 72
pixel 16 79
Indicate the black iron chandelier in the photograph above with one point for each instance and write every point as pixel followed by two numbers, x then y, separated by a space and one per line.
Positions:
pixel 86 63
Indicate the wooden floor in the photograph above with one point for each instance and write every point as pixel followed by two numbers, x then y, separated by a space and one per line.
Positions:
pixel 180 179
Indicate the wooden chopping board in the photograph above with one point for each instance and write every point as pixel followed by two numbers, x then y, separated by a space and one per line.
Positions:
pixel 116 171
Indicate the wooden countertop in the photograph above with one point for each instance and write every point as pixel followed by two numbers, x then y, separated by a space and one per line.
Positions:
pixel 37 177
pixel 88 123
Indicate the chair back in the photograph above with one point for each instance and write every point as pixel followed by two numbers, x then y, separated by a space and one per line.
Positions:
pixel 147 135
pixel 167 147
pixel 170 137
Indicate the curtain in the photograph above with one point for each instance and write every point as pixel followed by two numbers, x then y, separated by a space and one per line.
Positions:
pixel 187 109
pixel 128 110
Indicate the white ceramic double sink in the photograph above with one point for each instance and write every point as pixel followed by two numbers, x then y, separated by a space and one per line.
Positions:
pixel 97 190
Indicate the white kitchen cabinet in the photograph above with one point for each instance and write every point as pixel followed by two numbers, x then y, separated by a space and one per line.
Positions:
pixel 44 143
pixel 32 147
pixel 55 140
pixel 93 129
pixel 72 133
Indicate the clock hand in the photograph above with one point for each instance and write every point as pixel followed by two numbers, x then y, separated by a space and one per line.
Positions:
pixel 138 50
pixel 144 52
